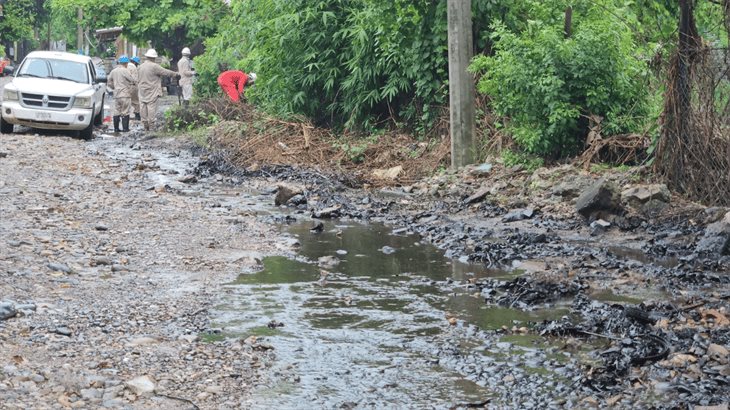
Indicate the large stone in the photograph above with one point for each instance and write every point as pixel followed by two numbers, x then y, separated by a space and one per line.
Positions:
pixel 718 353
pixel 541 179
pixel 188 179
pixel 7 310
pixel 390 173
pixel 571 186
pixel 716 240
pixel 92 394
pixel 481 170
pixel 285 192
pixel 478 196
pixel 649 199
pixel 328 261
pixel 519 215
pixel 141 385
pixel 142 341
pixel 297 200
pixel 59 267
pixel 599 226
pixel 713 214
pixel 598 200
pixel 645 193
pixel 331 212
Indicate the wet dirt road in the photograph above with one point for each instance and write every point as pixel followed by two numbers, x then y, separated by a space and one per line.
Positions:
pixel 107 266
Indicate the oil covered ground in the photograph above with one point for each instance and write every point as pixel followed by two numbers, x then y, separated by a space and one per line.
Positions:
pixel 637 275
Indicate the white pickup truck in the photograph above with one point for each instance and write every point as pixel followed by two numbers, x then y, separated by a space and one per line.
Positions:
pixel 54 90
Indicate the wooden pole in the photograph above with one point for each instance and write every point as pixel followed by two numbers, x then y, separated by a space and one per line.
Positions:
pixel 461 84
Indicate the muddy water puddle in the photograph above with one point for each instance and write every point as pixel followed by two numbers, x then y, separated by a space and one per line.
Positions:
pixel 363 317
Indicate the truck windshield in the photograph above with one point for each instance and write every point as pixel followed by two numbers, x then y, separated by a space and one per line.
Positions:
pixel 52 68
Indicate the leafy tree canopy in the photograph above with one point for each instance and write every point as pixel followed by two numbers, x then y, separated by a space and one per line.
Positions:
pixel 548 84
pixel 168 25
pixel 21 19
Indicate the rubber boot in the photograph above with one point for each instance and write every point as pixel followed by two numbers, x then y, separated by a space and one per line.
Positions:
pixel 186 103
pixel 125 123
pixel 137 116
pixel 146 126
pixel 116 123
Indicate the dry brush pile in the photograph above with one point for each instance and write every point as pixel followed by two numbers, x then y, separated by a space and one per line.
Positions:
pixel 249 139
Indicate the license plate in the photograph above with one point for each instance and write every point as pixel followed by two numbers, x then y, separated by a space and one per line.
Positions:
pixel 44 116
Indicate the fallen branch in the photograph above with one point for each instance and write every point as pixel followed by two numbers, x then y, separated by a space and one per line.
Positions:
pixel 472 405
pixel 585 332
pixel 692 307
pixel 179 399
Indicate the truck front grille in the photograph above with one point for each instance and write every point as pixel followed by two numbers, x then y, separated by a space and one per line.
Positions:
pixel 52 102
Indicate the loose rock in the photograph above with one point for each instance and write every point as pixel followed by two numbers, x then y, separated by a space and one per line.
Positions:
pixel 141 385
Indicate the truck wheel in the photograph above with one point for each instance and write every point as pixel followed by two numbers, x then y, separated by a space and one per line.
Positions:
pixel 99 119
pixel 88 132
pixel 5 127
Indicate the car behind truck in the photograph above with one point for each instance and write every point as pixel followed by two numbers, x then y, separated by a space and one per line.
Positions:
pixel 54 90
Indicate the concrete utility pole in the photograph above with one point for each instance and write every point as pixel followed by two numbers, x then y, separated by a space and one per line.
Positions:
pixel 461 84
pixel 79 29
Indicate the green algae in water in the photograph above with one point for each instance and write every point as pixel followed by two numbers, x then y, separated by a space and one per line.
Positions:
pixel 527 340
pixel 473 310
pixel 280 270
pixel 206 337
pixel 609 296
pixel 265 331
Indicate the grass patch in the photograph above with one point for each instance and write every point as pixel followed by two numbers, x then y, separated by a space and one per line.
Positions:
pixel 528 162
pixel 604 167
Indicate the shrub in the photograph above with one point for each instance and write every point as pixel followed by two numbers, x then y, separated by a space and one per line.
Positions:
pixel 529 162
pixel 547 84
pixel 351 63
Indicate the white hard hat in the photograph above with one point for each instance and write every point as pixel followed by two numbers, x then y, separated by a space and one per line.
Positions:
pixel 151 53
pixel 252 76
pixel 186 51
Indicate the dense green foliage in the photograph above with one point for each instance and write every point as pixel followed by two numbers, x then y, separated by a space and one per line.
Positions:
pixel 547 84
pixel 169 25
pixel 341 62
pixel 21 20
pixel 338 62
pixel 364 64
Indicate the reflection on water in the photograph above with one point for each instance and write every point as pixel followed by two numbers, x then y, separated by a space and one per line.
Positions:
pixel 364 257
pixel 278 270
pixel 473 310
pixel 365 331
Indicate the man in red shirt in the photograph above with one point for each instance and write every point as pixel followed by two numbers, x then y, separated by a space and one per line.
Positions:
pixel 233 82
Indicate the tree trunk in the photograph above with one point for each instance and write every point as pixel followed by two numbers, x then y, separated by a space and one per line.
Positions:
pixel 687 48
